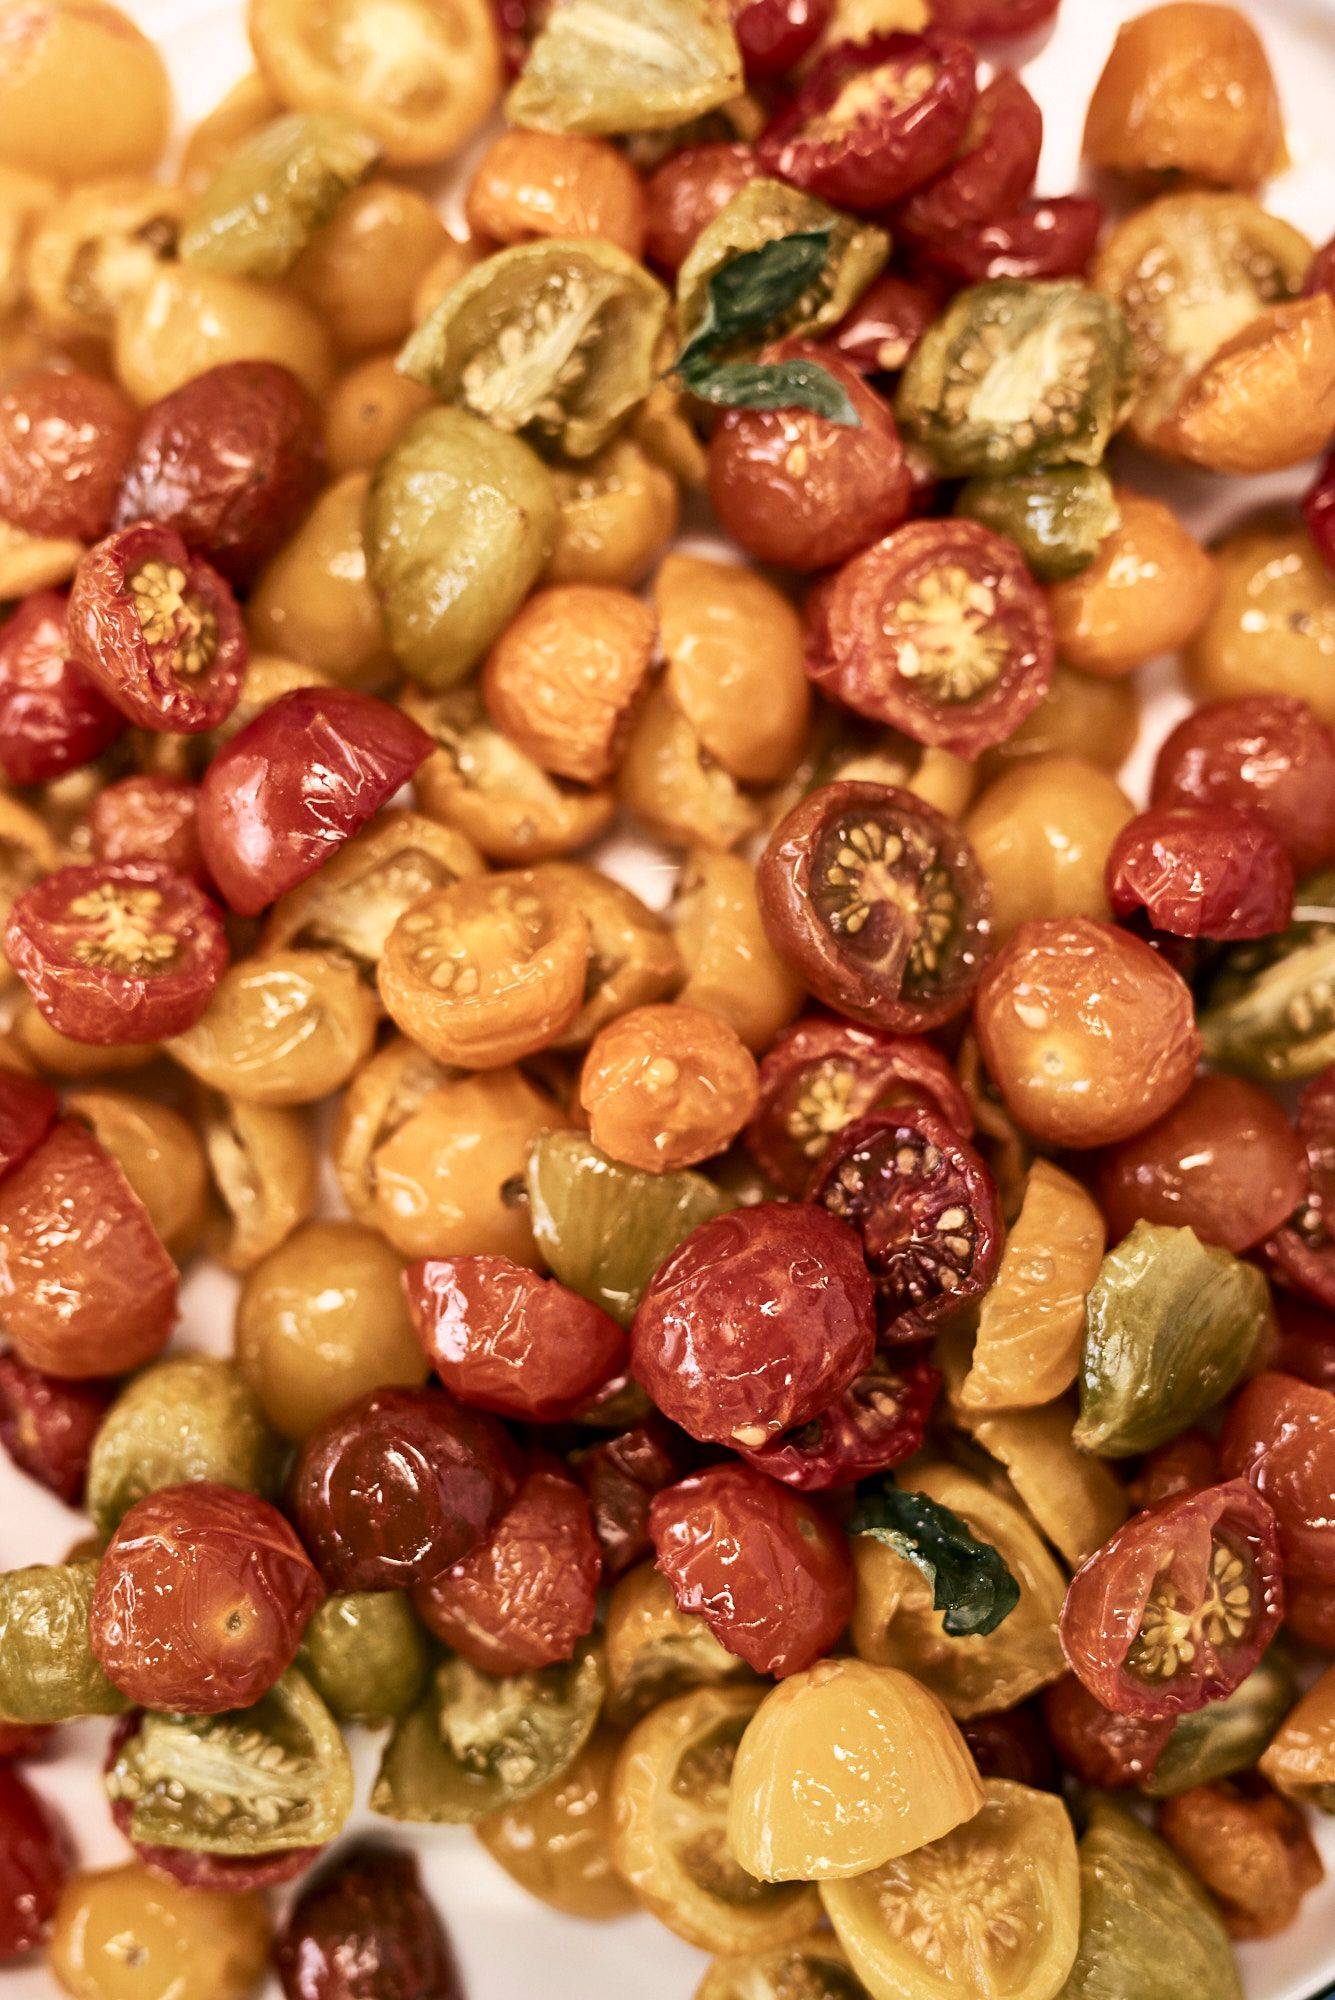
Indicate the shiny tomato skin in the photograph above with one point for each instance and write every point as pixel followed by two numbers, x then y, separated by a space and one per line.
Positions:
pixel 984 19
pixel 1201 871
pixel 880 331
pixel 365 1929
pixel 769 1574
pixel 295 784
pixel 1302 1253
pixel 52 718
pixel 34 1861
pixel 1319 511
pixel 1270 755
pixel 1309 1614
pixel 504 1339
pixel 28 1110
pixel 86 1288
pixel 1212 1558
pixel 64 439
pixel 48 1426
pixel 117 953
pixel 1113 1752
pixel 621 1477
pixel 993 170
pixel 878 1422
pixel 755 1323
pixel 1047 238
pixel 1279 1435
pixel 687 192
pixel 774 34
pixel 150 817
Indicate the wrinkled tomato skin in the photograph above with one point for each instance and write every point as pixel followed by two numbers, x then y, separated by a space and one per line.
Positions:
pixel 1011 1745
pixel 1173 1549
pixel 201 1600
pixel 1279 1435
pixel 391 1491
pixel 503 1339
pixel 231 461
pixel 20 1741
pixel 298 782
pixel 879 333
pixel 64 439
pixel 755 1323
pixel 621 1477
pixel 878 1422
pixel 1307 1341
pixel 117 954
pixel 1225 1161
pixel 1302 1253
pixel 150 817
pixel 47 1426
pixel 769 1574
pixel 1319 511
pixel 1270 755
pixel 774 34
pixel 984 19
pixel 34 1861
pixel 86 1288
pixel 822 1073
pixel 1186 1464
pixel 28 1110
pixel 1039 239
pixel 52 718
pixel 873 158
pixel 144 676
pixel 993 171
pixel 1201 871
pixel 1113 1752
pixel 524 1598
pixel 686 193
pixel 933 1239
pixel 801 491
pixel 365 1929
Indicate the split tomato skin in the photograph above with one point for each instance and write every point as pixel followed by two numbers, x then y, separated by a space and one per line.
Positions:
pixel 880 1420
pixel 52 718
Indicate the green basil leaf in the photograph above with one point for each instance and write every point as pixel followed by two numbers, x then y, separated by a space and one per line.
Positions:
pixel 772 385
pixel 751 291
pixel 969 1580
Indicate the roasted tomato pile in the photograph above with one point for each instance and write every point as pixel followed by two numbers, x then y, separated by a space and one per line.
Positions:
pixel 801 1400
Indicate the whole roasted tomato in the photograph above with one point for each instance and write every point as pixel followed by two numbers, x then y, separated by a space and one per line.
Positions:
pixel 34 1861
pixel 993 170
pixel 365 1929
pixel 1279 1435
pixel 149 817
pixel 1266 754
pixel 878 1422
pixel 774 34
pixel 52 718
pixel 1302 1253
pixel 1201 872
pixel 47 1426
pixel 1049 238
pixel 64 437
pixel 883 327
pixel 687 192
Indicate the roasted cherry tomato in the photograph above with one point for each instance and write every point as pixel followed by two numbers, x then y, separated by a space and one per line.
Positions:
pixel 158 630
pixel 687 192
pixel 1040 239
pixel 774 34
pixel 1113 1752
pixel 1302 1253
pixel 877 901
pixel 27 1113
pixel 1270 755
pixel 52 718
pixel 298 782
pixel 20 1740
pixel 770 1576
pixel 993 170
pixel 1280 1436
pixel 939 631
pixel 1307 1341
pixel 878 1422
pixel 1011 1744
pixel 1201 871
pixel 880 332
pixel 47 1426
pixel 117 953
pixel 64 437
pixel 1178 1606
pixel 621 1477
pixel 34 1860
pixel 366 1927
pixel 149 817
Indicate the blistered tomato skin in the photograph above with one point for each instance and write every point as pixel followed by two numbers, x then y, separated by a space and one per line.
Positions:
pixel 770 1576
pixel 1280 1436
pixel 1051 238
pixel 52 718
pixel 774 34
pixel 47 1426
pixel 687 192
pixel 117 954
pixel 993 170
pixel 1302 1253
pixel 149 817
pixel 298 782
pixel 27 1113
pixel 878 1422
pixel 1201 871
pixel 1270 755
pixel 364 1929
pixel 34 1860
pixel 756 1323
pixel 504 1339
pixel 621 1477
pixel 64 437
pixel 158 630
pixel 201 1600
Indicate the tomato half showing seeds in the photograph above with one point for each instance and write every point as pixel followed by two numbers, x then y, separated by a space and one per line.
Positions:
pixel 1201 871
pixel 1040 239
pixel 365 1926
pixel 506 1340
pixel 47 1426
pixel 769 1574
pixel 1270 755
pixel 1302 1253
pixel 27 1112
pixel 117 953
pixel 296 784
pixel 158 630
pixel 926 1208
pixel 993 170
pixel 878 1422
pixel 1280 1437
pixel 34 1860
pixel 1175 1610
pixel 755 1323
pixel 877 901
pixel 939 631
pixel 52 718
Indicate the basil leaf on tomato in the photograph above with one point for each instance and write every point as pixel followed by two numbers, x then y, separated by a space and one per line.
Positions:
pixel 970 1582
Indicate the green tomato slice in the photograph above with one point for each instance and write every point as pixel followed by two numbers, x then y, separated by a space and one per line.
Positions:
pixel 1227 1736
pixel 261 210
pixel 619 66
pixel 1148 1931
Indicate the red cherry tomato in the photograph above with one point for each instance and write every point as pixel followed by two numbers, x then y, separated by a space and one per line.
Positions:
pixel 1302 1253
pixel 27 1112
pixel 64 438
pixel 158 630
pixel 34 1861
pixel 1113 1752
pixel 769 1574
pixel 1186 1464
pixel 878 1422
pixel 685 194
pixel 115 954
pixel 1280 1436
pixel 981 20
pixel 880 332
pixel 755 1323
pixel 1319 511
pixel 149 817
pixel 993 170
pixel 298 782
pixel 1307 1341
pixel 1175 1610
pixel 1039 239
pixel 1270 755
pixel 524 1598
pixel 47 1426
pixel 365 1928
pixel 504 1339
pixel 1201 871
pixel 939 631
pixel 621 1477
pixel 774 34
pixel 52 718
pixel 874 119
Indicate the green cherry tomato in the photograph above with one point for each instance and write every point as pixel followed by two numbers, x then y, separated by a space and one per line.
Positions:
pixel 366 1656
pixel 1058 519
pixel 187 1418
pixel 627 66
pixel 262 208
pixel 1270 1008
pixel 47 1669
pixel 1228 1735
pixel 1148 1931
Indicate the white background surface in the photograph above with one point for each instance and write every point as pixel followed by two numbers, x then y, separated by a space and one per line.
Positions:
pixel 510 1947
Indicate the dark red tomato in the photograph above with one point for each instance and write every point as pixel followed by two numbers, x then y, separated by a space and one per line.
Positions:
pixel 34 1861
pixel 879 333
pixel 1321 272
pixel 86 1287
pixel 940 631
pixel 392 1490
pixel 1306 1341
pixel 774 34
pixel 117 953
pixel 1177 1607
pixel 982 20
pixel 1113 1752
pixel 201 1600
pixel 820 1074
pixel 926 1208
pixel 874 119
pixel 1302 1253
pixel 504 1339
pixel 1186 1464
pixel 767 1571
pixel 755 1323
pixel 1225 1161
pixel 296 784
pixel 1011 1745
pixel 47 1426
pixel 1280 1436
pixel 993 170
pixel 365 1930
pixel 149 817
pixel 52 718
pixel 64 440
pixel 1270 755
pixel 525 1597
pixel 877 901
pixel 687 192
pixel 878 1422
pixel 1319 511
pixel 621 1477
pixel 1201 872
pixel 231 461
pixel 795 488
pixel 158 630
pixel 21 1740
pixel 1309 1614
pixel 1039 239
pixel 27 1112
